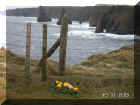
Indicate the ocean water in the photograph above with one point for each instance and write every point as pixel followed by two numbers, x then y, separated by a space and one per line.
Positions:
pixel 82 39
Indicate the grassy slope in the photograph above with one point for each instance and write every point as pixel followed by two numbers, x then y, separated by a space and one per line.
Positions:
pixel 2 75
pixel 112 72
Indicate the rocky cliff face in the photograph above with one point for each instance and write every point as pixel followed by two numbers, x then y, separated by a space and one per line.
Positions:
pixel 116 19
pixel 43 16
pixel 138 3
pixel 63 12
pixel 121 21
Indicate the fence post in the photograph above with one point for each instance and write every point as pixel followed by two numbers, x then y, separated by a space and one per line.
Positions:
pixel 50 51
pixel 28 45
pixel 44 51
pixel 63 45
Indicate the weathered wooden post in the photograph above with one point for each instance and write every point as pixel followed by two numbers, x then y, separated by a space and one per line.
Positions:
pixel 44 51
pixel 63 45
pixel 28 45
pixel 50 51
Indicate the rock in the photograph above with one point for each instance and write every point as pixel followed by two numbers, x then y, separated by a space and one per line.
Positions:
pixel 43 17
pixel 138 3
pixel 100 25
pixel 63 12
pixel 92 22
pixel 117 20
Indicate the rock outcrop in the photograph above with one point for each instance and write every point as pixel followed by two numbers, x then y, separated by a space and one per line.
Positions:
pixel 100 25
pixel 92 22
pixel 118 20
pixel 63 12
pixel 43 16
pixel 138 3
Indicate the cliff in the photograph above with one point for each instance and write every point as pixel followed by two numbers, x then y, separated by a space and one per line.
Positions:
pixel 63 12
pixel 115 19
pixel 43 16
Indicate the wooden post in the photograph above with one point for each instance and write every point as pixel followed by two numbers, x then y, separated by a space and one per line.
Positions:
pixel 63 45
pixel 50 51
pixel 44 51
pixel 28 45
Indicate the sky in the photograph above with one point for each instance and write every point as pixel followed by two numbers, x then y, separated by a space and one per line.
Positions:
pixel 10 4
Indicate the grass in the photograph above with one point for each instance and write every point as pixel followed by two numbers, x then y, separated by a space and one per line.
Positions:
pixel 2 75
pixel 108 73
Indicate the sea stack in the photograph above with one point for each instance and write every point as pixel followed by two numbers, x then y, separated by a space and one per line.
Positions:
pixel 100 25
pixel 63 12
pixel 43 16
pixel 92 22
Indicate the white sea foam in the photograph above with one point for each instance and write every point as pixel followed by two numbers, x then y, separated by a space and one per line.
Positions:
pixel 75 24
pixel 118 36
pixel 30 19
pixel 54 20
pixel 90 34
pixel 84 31
pixel 137 37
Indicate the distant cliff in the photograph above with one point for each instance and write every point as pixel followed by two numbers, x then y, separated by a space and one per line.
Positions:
pixel 42 15
pixel 115 19
pixel 27 12
pixel 63 12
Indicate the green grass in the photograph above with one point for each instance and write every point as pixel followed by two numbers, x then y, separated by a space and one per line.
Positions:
pixel 112 72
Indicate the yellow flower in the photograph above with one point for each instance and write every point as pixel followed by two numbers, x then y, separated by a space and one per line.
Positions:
pixel 76 89
pixel 59 85
pixel 71 87
pixel 66 84
pixel 58 82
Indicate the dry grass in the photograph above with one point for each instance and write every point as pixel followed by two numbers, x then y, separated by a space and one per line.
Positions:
pixel 2 75
pixel 112 72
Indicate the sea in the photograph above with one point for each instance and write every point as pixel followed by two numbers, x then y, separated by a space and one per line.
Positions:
pixel 82 40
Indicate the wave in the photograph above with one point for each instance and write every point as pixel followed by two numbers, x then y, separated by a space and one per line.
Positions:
pixel 137 37
pixel 118 36
pixel 75 24
pixel 90 34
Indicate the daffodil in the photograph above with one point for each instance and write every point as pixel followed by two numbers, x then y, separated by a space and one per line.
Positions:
pixel 66 84
pixel 71 87
pixel 59 85
pixel 75 89
pixel 58 82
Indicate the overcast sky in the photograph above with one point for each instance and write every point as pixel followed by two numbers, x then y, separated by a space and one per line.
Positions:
pixel 9 3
